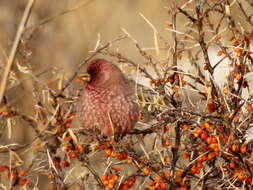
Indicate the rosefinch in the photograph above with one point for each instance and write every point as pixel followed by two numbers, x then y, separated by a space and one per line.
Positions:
pixel 107 103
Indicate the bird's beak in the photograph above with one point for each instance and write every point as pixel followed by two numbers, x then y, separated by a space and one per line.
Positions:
pixel 85 77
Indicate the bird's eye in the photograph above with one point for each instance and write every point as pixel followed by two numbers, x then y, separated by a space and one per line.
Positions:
pixel 93 72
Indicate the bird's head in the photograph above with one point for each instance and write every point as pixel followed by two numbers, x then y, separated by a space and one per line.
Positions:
pixel 103 73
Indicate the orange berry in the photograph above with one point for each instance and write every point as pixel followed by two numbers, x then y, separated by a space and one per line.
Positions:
pixel 235 43
pixel 104 177
pixel 116 168
pixel 248 180
pixel 162 185
pixel 185 155
pixel 203 136
pixel 210 106
pixel 72 154
pixel 66 164
pixel 166 175
pixel 210 155
pixel 182 188
pixel 235 119
pixel 199 164
pixel 238 76
pixel 203 158
pixel 129 160
pixel 243 148
pixel 166 142
pixel 123 187
pixel 249 107
pixel 151 183
pixel 22 173
pixel 234 147
pixel 67 124
pixel 238 52
pixel 232 164
pixel 213 146
pixel 179 173
pixel 214 139
pixel 199 131
pixel 108 152
pixel 158 179
pixel 80 148
pixel 110 185
pixel 131 181
pixel 146 171
pixel 122 156
pixel 209 140
pixel 112 181
pixel 219 53
pixel 68 138
pixel 216 151
pixel 23 182
pixel 3 168
pixel 195 170
pixel 106 182
pixel 186 127
pixel 115 177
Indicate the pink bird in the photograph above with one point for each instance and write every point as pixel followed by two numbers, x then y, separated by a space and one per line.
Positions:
pixel 108 100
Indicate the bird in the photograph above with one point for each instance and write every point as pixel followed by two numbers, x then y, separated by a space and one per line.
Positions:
pixel 107 102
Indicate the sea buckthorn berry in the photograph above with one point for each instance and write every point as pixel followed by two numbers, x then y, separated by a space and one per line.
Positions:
pixel 166 142
pixel 210 155
pixel 209 140
pixel 166 175
pixel 249 107
pixel 80 148
pixel 66 164
pixel 23 182
pixel 186 127
pixel 232 164
pixel 195 170
pixel 203 158
pixel 185 155
pixel 104 177
pixel 131 181
pixel 234 147
pixel 203 136
pixel 248 180
pixel 219 53
pixel 72 154
pixel 68 138
pixel 243 148
pixel 108 152
pixel 122 156
pixel 158 179
pixel 123 187
pixel 3 168
pixel 199 164
pixel 146 171
pixel 214 139
pixel 22 173
pixel 115 177
pixel 116 168
pixel 110 185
